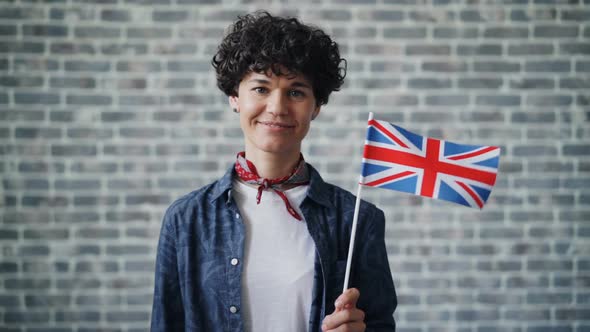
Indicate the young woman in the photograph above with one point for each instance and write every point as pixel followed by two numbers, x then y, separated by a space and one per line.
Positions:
pixel 264 248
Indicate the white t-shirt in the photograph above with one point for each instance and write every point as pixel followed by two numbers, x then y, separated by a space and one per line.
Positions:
pixel 278 271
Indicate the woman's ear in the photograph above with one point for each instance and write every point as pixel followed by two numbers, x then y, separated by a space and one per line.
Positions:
pixel 315 113
pixel 233 102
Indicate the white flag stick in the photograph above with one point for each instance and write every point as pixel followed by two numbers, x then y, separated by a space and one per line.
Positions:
pixel 353 230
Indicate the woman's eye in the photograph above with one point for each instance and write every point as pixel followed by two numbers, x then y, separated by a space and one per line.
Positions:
pixel 296 93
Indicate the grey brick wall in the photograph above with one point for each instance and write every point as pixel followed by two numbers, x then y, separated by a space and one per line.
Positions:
pixel 109 111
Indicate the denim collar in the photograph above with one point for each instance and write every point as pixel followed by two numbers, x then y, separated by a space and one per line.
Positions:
pixel 317 187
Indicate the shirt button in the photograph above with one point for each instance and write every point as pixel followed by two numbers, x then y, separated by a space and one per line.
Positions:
pixel 234 261
pixel 233 309
pixel 237 216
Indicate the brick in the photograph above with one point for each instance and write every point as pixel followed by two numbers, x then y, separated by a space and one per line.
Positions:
pixel 8 301
pixel 188 66
pixel 555 31
pixel 381 15
pixel 579 15
pixel 162 2
pixel 45 30
pixel 549 100
pixel 415 49
pixel 37 133
pixel 21 47
pixel 453 32
pixel 25 184
pixel 127 316
pixel 378 83
pixel 500 299
pixel 140 266
pixel 498 100
pixel 82 184
pixel 532 83
pixel 97 32
pixel 25 98
pixel 126 48
pixel 527 117
pixel 447 100
pixel 127 150
pixel 574 83
pixel 77 316
pixel 480 49
pixel 170 16
pixel 530 49
pixel 528 315
pixel 576 150
pixel 550 166
pixel 506 32
pixel 36 63
pixel 63 150
pixel 572 314
pixel 420 316
pixel 496 66
pixel 7 30
pixel 20 317
pixel 147 199
pixel 72 82
pixel 440 15
pixel 428 83
pixel 127 216
pixel 532 183
pixel 8 267
pixel 139 100
pixel 151 33
pixel 89 99
pixel 96 267
pixel 145 133
pixel 546 232
pixel 547 66
pixel 98 233
pixel 574 48
pixel 7 234
pixel 95 200
pixel 481 15
pixel 568 216
pixel 90 66
pixel 111 15
pixel 95 300
pixel 70 48
pixel 405 33
pixel 444 66
pixel 535 151
pixel 46 300
pixel 17 13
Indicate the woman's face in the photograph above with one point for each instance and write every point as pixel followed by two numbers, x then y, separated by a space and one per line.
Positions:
pixel 275 111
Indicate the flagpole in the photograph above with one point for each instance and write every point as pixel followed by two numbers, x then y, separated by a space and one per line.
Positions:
pixel 354 222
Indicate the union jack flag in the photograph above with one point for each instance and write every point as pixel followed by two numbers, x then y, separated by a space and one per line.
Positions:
pixel 397 159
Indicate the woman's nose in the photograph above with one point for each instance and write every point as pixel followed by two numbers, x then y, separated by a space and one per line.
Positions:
pixel 277 103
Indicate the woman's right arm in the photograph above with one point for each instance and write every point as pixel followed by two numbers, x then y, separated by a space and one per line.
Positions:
pixel 167 309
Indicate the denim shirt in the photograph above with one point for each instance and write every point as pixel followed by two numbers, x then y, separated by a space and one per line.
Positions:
pixel 201 249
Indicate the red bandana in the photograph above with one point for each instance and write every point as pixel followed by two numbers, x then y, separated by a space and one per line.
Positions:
pixel 298 177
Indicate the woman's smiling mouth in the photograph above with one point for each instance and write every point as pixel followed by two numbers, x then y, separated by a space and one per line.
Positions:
pixel 277 125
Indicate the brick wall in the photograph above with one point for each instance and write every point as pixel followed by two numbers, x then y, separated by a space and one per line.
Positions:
pixel 109 111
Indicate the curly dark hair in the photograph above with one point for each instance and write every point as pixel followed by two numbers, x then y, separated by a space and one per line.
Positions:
pixel 260 42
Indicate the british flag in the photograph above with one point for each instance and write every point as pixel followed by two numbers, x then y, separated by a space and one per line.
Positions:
pixel 397 159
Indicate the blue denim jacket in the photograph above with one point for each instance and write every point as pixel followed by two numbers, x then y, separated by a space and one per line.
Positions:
pixel 198 282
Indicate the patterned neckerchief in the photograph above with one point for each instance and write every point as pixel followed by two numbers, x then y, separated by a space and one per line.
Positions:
pixel 298 177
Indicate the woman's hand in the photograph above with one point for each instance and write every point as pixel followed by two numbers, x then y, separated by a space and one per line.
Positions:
pixel 346 316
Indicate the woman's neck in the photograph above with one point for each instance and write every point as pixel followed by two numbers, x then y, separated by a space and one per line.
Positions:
pixel 271 165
